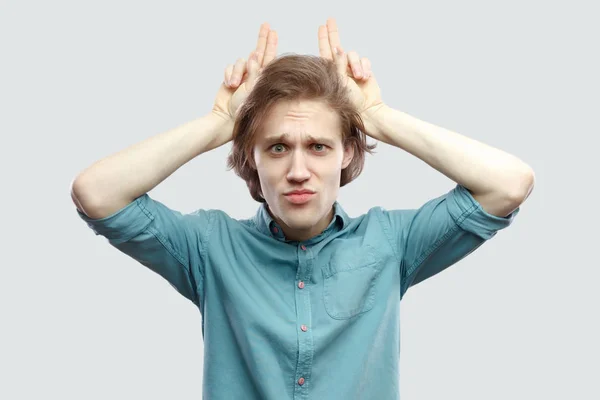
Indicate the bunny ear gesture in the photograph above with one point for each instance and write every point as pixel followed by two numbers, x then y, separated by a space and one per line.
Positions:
pixel 355 71
pixel 240 77
pixel 246 70
pixel 266 47
pixel 330 47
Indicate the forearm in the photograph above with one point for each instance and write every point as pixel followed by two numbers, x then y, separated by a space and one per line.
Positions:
pixel 480 168
pixel 113 182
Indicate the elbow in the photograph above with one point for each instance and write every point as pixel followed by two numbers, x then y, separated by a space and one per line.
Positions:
pixel 509 196
pixel 94 201
pixel 78 193
pixel 518 191
pixel 523 187
pixel 83 197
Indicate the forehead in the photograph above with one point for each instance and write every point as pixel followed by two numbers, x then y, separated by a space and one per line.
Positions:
pixel 300 119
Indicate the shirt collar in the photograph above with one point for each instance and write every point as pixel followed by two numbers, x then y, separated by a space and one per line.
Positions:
pixel 267 225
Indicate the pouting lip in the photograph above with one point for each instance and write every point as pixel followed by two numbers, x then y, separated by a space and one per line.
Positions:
pixel 303 191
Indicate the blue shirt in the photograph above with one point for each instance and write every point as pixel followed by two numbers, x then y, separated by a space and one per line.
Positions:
pixel 318 319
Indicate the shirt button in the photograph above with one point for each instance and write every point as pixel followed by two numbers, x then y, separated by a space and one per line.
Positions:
pixel 275 229
pixel 301 381
pixel 301 285
pixel 304 328
pixel 303 247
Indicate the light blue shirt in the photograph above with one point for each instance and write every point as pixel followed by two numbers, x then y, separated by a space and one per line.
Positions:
pixel 318 319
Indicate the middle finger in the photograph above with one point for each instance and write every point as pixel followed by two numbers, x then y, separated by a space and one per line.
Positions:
pixel 325 50
pixel 261 45
pixel 271 49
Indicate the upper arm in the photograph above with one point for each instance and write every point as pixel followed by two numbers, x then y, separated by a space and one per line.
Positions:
pixel 442 231
pixel 164 240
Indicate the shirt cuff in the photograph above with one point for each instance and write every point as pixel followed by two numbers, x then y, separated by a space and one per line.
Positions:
pixel 124 224
pixel 470 216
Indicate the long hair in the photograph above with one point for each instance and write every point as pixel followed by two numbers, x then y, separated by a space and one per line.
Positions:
pixel 295 77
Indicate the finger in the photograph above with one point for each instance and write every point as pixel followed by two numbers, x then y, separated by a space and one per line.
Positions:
pixel 252 70
pixel 324 46
pixel 271 49
pixel 355 64
pixel 341 61
pixel 366 64
pixel 228 72
pixel 238 71
pixel 333 33
pixel 261 45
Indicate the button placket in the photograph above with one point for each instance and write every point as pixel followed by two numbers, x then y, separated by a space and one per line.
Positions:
pixel 303 318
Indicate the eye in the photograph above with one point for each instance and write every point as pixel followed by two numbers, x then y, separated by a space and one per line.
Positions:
pixel 320 147
pixel 278 148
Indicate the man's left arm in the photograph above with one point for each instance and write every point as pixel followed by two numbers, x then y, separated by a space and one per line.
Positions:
pixel 491 184
pixel 499 181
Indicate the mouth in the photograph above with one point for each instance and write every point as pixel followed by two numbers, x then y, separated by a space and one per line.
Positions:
pixel 301 197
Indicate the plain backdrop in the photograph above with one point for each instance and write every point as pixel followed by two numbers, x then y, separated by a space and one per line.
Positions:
pixel 517 319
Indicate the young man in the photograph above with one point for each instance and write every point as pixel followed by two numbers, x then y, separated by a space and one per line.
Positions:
pixel 301 301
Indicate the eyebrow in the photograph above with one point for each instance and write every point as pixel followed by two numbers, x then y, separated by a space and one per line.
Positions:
pixel 285 136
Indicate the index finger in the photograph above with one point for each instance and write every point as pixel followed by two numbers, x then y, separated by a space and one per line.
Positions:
pixel 324 46
pixel 333 33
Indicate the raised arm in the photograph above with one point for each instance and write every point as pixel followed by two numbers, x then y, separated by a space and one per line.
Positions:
pixel 115 181
pixel 111 195
pixel 500 182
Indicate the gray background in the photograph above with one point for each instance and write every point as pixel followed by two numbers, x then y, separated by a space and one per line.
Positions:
pixel 517 319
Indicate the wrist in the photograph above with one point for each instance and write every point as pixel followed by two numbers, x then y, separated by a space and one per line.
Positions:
pixel 215 128
pixel 374 120
pixel 220 117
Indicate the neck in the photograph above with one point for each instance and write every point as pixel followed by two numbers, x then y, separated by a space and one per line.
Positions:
pixel 301 235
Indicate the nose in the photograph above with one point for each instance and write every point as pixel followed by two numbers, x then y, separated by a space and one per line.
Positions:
pixel 298 169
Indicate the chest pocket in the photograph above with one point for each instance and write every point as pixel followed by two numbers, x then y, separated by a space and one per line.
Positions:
pixel 349 282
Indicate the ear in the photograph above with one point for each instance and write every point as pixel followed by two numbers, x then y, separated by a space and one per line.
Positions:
pixel 250 159
pixel 348 155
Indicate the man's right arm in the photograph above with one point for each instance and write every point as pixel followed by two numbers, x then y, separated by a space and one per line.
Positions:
pixel 113 182
pixel 111 197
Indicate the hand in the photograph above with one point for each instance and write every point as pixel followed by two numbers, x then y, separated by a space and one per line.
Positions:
pixel 241 76
pixel 355 72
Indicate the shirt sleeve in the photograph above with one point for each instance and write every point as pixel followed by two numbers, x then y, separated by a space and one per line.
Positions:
pixel 441 232
pixel 166 241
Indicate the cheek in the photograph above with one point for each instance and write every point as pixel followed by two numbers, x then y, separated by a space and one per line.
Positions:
pixel 333 170
pixel 267 174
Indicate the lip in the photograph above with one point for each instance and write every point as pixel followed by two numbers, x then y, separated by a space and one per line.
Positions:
pixel 299 191
pixel 299 196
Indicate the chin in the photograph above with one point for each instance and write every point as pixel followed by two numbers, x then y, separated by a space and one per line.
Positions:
pixel 299 215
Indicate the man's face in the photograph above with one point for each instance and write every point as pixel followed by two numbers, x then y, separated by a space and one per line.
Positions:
pixel 299 147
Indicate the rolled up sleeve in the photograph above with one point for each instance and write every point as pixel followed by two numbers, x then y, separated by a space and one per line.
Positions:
pixel 470 216
pixel 124 224
pixel 441 232
pixel 168 242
